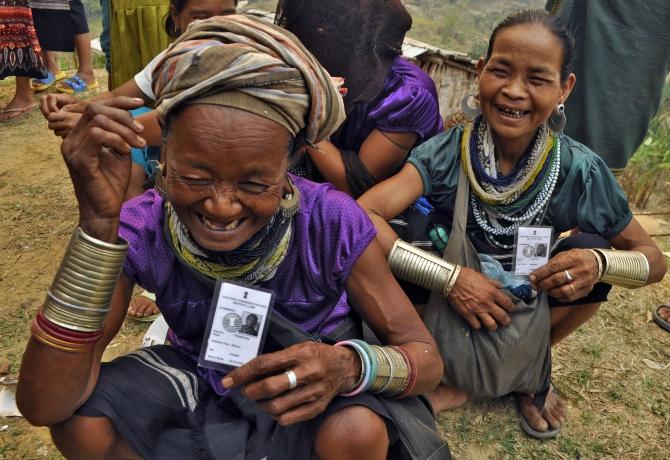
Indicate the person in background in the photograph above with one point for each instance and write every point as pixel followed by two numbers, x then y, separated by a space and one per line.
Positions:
pixel 105 38
pixel 136 36
pixel 391 104
pixel 63 111
pixel 611 115
pixel 615 37
pixel 61 26
pixel 20 56
pixel 512 167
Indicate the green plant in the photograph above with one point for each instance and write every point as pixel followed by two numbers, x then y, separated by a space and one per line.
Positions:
pixel 649 168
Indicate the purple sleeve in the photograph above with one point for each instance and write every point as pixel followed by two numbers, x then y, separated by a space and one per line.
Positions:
pixel 141 227
pixel 409 108
pixel 345 231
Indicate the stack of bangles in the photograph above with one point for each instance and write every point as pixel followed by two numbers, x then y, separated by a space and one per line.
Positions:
pixel 629 269
pixel 79 298
pixel 387 371
pixel 422 268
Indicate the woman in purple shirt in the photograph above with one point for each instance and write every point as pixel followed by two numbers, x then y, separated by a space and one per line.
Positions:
pixel 234 95
pixel 391 104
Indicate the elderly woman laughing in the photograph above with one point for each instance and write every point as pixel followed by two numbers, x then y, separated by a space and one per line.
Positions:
pixel 236 98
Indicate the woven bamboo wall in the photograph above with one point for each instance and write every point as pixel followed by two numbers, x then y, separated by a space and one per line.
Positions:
pixel 453 82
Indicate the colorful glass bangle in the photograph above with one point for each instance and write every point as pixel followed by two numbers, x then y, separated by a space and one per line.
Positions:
pixel 372 356
pixel 45 323
pixel 412 377
pixel 365 366
pixel 63 334
pixel 41 336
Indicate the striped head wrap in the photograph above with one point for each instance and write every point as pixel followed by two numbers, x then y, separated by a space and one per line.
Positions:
pixel 241 62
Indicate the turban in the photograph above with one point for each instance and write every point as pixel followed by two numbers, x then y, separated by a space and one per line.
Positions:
pixel 242 62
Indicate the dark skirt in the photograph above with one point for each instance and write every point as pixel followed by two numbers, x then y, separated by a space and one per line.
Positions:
pixel 164 410
pixel 56 29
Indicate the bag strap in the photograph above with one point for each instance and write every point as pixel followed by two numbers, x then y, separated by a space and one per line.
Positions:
pixel 286 333
pixel 459 247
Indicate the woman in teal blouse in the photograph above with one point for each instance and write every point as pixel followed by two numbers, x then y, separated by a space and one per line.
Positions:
pixel 512 167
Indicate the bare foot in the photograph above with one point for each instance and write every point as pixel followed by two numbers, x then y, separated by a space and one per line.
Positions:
pixel 142 307
pixel 446 398
pixel 553 415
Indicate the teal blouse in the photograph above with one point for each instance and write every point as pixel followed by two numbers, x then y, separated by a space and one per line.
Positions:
pixel 586 195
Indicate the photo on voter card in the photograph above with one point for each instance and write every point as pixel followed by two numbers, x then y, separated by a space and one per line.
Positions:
pixel 250 323
pixel 540 250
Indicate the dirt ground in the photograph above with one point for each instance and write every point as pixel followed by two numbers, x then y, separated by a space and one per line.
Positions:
pixel 614 372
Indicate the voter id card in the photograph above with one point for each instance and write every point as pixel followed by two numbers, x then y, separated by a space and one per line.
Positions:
pixel 238 322
pixel 531 249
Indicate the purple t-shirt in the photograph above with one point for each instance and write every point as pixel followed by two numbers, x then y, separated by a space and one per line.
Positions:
pixel 407 104
pixel 330 232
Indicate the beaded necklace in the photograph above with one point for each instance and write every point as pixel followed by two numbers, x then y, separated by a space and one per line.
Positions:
pixel 501 204
pixel 255 261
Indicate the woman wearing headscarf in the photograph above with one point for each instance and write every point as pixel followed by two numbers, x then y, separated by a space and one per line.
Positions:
pixel 391 104
pixel 235 96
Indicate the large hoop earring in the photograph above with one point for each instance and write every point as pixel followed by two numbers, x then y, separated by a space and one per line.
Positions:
pixel 290 202
pixel 468 111
pixel 557 125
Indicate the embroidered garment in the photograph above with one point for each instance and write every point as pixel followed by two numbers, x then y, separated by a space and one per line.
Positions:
pixel 20 52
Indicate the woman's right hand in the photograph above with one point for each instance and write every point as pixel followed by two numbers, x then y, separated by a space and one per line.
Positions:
pixel 97 155
pixel 479 300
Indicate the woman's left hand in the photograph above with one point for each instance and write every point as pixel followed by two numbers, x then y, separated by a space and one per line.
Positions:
pixel 568 276
pixel 322 372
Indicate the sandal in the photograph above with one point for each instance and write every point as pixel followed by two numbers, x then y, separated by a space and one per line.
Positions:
pixel 42 84
pixel 660 321
pixel 17 114
pixel 526 427
pixel 75 85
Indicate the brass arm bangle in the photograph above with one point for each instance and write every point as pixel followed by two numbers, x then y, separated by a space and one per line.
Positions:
pixel 422 268
pixel 80 295
pixel 627 269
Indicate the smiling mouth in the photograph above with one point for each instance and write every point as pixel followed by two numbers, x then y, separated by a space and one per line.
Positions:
pixel 511 113
pixel 219 226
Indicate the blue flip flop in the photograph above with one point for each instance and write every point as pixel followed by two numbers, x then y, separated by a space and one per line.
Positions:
pixel 74 85
pixel 42 84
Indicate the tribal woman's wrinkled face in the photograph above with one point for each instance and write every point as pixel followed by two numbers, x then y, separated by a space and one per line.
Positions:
pixel 520 84
pixel 200 9
pixel 225 173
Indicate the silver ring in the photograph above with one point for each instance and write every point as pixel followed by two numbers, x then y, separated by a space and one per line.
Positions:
pixel 568 277
pixel 292 379
pixel 574 291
